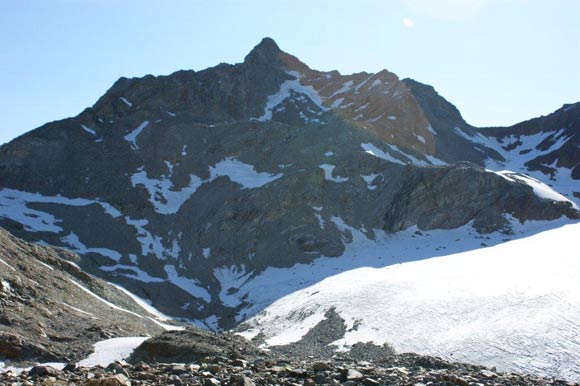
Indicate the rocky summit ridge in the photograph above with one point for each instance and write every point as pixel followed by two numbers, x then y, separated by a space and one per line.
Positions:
pixel 197 190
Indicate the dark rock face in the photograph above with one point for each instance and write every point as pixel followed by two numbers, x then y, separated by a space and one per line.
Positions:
pixel 193 345
pixel 46 311
pixel 183 188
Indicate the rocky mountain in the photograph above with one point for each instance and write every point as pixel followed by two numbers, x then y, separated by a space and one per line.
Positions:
pixel 51 310
pixel 203 191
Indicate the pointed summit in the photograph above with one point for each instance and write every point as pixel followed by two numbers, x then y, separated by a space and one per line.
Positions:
pixel 266 52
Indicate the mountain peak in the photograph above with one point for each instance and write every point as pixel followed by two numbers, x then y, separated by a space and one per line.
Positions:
pixel 266 52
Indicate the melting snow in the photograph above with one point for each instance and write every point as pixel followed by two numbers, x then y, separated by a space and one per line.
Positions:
pixel 375 151
pixel 241 173
pixel 328 173
pixel 89 130
pixel 111 350
pixel 162 195
pixel 126 102
pixel 285 92
pixel 132 136
pixel 540 189
pixel 190 286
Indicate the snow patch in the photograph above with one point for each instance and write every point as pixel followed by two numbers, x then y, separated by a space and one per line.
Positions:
pixel 111 350
pixel 242 173
pixel 132 136
pixel 126 102
pixel 328 173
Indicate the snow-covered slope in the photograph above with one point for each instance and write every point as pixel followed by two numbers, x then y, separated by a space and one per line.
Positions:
pixel 515 305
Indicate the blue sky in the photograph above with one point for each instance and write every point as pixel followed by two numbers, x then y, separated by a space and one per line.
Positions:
pixel 498 61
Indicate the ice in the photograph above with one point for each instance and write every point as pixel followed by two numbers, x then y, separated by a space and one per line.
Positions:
pixel 513 305
pixel 328 173
pixel 126 102
pixel 111 350
pixel 241 173
pixel 132 136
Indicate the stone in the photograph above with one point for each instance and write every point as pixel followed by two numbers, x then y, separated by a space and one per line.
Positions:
pixel 115 380
pixel 43 371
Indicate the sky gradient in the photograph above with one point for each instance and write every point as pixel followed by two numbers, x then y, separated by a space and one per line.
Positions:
pixel 498 61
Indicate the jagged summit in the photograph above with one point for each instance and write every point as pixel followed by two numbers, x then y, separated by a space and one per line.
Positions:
pixel 266 52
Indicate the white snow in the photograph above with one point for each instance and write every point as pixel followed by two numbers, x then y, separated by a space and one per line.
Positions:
pixel 162 194
pixel 230 277
pixel 78 310
pixel 206 252
pixel 126 102
pixel 369 180
pixel 111 350
pixel 392 118
pixel 372 120
pixel 345 88
pixel 540 189
pixel 328 173
pixel 191 286
pixel 285 91
pixel 137 273
pixel 328 154
pixel 241 173
pixel 515 305
pixel 89 130
pixel 132 136
pixel 336 103
pixel 376 82
pixel 13 205
pixel 77 246
pixel 8 265
pixel 562 181
pixel 108 303
pixel 375 151
pixel 420 138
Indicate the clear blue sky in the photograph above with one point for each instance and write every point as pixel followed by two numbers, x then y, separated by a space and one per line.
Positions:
pixel 498 61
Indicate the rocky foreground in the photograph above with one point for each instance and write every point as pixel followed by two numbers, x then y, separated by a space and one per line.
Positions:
pixel 405 369
pixel 198 357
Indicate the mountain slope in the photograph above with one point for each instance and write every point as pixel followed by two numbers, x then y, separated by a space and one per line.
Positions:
pixel 196 183
pixel 50 310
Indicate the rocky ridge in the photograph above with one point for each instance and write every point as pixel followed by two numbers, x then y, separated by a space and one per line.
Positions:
pixel 51 310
